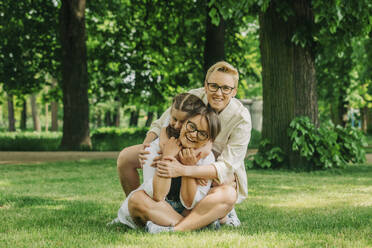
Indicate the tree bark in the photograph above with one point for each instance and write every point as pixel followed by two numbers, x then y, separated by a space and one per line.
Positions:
pixel 108 119
pixel 35 113
pixel 117 117
pixel 46 117
pixel 133 121
pixel 288 73
pixel 369 121
pixel 54 109
pixel 339 111
pixel 214 49
pixel 364 115
pixel 74 76
pixel 23 124
pixel 150 117
pixel 11 119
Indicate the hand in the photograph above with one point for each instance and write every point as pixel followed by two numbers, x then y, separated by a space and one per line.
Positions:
pixel 157 159
pixel 172 147
pixel 169 167
pixel 142 156
pixel 201 181
pixel 187 156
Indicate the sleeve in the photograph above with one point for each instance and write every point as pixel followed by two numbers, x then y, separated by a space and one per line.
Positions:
pixel 234 152
pixel 201 191
pixel 161 122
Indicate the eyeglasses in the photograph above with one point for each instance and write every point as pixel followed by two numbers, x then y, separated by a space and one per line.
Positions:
pixel 226 90
pixel 191 127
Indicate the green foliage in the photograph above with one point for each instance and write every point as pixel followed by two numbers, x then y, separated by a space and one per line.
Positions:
pixel 255 139
pixel 30 141
pixel 115 139
pixel 268 156
pixel 327 146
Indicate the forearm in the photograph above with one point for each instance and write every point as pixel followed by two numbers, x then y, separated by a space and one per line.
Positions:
pixel 161 187
pixel 150 137
pixel 205 171
pixel 188 190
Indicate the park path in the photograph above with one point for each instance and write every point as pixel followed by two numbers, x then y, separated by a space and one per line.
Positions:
pixel 43 157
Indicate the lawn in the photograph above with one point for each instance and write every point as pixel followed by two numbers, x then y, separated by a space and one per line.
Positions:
pixel 68 204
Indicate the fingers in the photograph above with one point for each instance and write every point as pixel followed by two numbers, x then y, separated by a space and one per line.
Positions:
pixel 162 171
pixel 157 158
pixel 202 182
pixel 154 164
pixel 170 158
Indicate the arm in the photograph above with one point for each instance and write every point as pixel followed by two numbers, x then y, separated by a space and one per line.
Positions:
pixel 157 125
pixel 191 191
pixel 161 185
pixel 171 167
pixel 150 136
pixel 163 139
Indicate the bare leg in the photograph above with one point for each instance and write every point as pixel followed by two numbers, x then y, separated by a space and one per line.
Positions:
pixel 142 208
pixel 217 204
pixel 127 165
pixel 161 186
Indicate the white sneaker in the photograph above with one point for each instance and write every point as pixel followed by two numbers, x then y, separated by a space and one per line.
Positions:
pixel 232 219
pixel 153 228
pixel 114 221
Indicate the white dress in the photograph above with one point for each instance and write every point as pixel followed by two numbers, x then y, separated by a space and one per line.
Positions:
pixel 148 173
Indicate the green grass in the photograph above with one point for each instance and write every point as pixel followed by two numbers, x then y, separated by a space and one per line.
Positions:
pixel 68 204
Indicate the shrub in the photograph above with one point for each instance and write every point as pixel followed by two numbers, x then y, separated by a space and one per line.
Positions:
pixel 115 139
pixel 30 141
pixel 268 156
pixel 327 146
pixel 255 139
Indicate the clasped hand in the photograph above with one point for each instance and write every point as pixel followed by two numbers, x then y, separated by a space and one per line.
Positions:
pixel 169 167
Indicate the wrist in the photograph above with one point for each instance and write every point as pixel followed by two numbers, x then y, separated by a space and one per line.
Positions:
pixel 186 171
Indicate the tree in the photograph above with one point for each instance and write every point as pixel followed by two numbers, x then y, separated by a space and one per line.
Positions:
pixel 288 73
pixel 75 81
pixel 291 35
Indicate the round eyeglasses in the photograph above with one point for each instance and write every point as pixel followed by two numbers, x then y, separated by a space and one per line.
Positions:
pixel 226 90
pixel 191 127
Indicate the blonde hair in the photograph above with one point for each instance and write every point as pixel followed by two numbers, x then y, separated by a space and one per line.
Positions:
pixel 225 67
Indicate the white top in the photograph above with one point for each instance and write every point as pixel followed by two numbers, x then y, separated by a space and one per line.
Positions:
pixel 231 143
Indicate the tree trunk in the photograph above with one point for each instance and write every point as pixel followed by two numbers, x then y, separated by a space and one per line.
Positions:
pixel 339 111
pixel 369 121
pixel 288 73
pixel 364 115
pixel 150 117
pixel 11 119
pixel 23 124
pixel 35 114
pixel 214 49
pixel 54 109
pixel 74 76
pixel 46 117
pixel 108 119
pixel 133 121
pixel 117 117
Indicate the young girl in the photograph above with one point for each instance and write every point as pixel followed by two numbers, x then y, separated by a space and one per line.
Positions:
pixel 184 106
